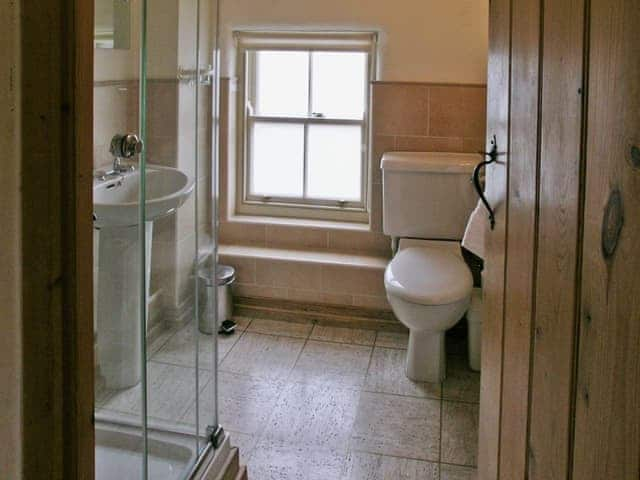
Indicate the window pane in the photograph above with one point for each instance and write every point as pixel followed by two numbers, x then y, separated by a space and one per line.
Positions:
pixel 277 157
pixel 335 162
pixel 282 83
pixel 339 84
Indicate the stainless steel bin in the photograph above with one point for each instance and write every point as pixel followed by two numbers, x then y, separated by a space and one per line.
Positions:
pixel 225 276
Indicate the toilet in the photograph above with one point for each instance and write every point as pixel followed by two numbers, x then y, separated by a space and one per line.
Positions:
pixel 427 201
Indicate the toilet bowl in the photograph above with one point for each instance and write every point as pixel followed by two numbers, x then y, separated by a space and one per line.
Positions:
pixel 429 290
pixel 427 201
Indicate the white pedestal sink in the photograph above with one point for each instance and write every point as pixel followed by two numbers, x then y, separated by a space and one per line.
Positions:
pixel 116 213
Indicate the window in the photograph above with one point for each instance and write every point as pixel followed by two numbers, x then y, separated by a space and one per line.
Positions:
pixel 304 124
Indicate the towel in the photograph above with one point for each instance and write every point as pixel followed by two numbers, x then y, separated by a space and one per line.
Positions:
pixel 473 239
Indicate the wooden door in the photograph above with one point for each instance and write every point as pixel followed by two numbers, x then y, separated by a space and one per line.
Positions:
pixel 498 119
pixel 607 418
pixel 561 349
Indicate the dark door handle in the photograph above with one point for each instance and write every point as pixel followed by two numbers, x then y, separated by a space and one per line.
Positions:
pixel 493 157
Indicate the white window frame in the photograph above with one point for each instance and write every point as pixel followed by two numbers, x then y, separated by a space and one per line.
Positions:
pixel 247 43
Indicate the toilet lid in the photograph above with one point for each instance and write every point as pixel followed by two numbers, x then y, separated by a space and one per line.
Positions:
pixel 428 276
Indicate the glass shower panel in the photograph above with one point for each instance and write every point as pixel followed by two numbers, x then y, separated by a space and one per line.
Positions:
pixel 119 238
pixel 155 371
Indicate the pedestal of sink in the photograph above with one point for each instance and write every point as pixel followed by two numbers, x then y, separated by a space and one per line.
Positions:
pixel 119 323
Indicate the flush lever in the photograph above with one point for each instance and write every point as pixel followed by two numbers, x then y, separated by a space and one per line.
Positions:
pixel 493 157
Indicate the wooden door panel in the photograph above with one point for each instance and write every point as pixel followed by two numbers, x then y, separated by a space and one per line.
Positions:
pixel 521 237
pixel 607 425
pixel 493 278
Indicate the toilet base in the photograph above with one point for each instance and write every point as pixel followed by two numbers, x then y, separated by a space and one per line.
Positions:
pixel 426 359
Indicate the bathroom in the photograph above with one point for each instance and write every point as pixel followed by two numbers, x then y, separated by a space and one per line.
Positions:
pixel 313 327
pixel 292 239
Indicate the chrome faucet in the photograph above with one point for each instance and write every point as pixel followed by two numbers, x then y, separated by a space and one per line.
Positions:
pixel 121 147
pixel 124 146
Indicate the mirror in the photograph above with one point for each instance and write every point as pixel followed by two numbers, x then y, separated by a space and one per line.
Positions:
pixel 112 24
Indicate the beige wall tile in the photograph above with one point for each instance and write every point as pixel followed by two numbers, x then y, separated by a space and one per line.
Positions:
pixel 162 109
pixel 473 145
pixel 381 145
pixel 456 111
pixel 376 215
pixel 361 242
pixel 278 273
pixel 352 280
pixel 236 233
pixel 400 109
pixel 371 301
pixel 429 144
pixel 317 296
pixel 259 291
pixel 284 236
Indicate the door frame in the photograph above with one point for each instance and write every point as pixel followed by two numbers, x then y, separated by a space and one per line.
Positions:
pixel 56 149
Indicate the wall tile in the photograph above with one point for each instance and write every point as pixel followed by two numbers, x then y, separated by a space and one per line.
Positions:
pixel 400 108
pixel 371 301
pixel 456 111
pixel 258 291
pixel 278 273
pixel 429 144
pixel 236 233
pixel 381 145
pixel 473 145
pixel 360 242
pixel 352 280
pixel 284 236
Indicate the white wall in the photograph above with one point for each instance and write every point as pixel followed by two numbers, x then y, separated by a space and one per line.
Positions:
pixel 10 250
pixel 421 40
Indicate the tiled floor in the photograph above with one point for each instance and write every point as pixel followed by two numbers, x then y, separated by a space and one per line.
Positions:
pixel 326 403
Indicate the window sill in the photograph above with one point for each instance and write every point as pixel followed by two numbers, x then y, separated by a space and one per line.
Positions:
pixel 300 222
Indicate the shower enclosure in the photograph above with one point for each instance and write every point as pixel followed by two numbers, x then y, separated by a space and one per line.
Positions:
pixel 155 120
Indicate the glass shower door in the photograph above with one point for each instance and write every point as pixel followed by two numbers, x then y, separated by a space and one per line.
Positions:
pixel 155 370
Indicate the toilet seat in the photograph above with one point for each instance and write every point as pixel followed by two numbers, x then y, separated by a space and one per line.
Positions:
pixel 428 276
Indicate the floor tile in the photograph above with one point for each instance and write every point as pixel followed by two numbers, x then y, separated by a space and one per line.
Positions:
pixel 180 348
pixel 244 403
pixel 172 392
pixel 367 466
pixel 325 362
pixel 343 335
pixel 245 444
pixel 460 433
pixel 276 327
pixel 398 426
pixel 387 375
pixel 159 339
pixel 392 339
pixel 461 383
pixel 314 414
pixel 289 461
pixel 455 472
pixel 262 356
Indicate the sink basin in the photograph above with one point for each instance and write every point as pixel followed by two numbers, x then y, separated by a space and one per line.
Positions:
pixel 115 201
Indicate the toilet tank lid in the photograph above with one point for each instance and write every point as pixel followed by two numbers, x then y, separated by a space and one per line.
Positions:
pixel 437 162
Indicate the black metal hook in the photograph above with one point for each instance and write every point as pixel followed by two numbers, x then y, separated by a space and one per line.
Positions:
pixel 493 157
